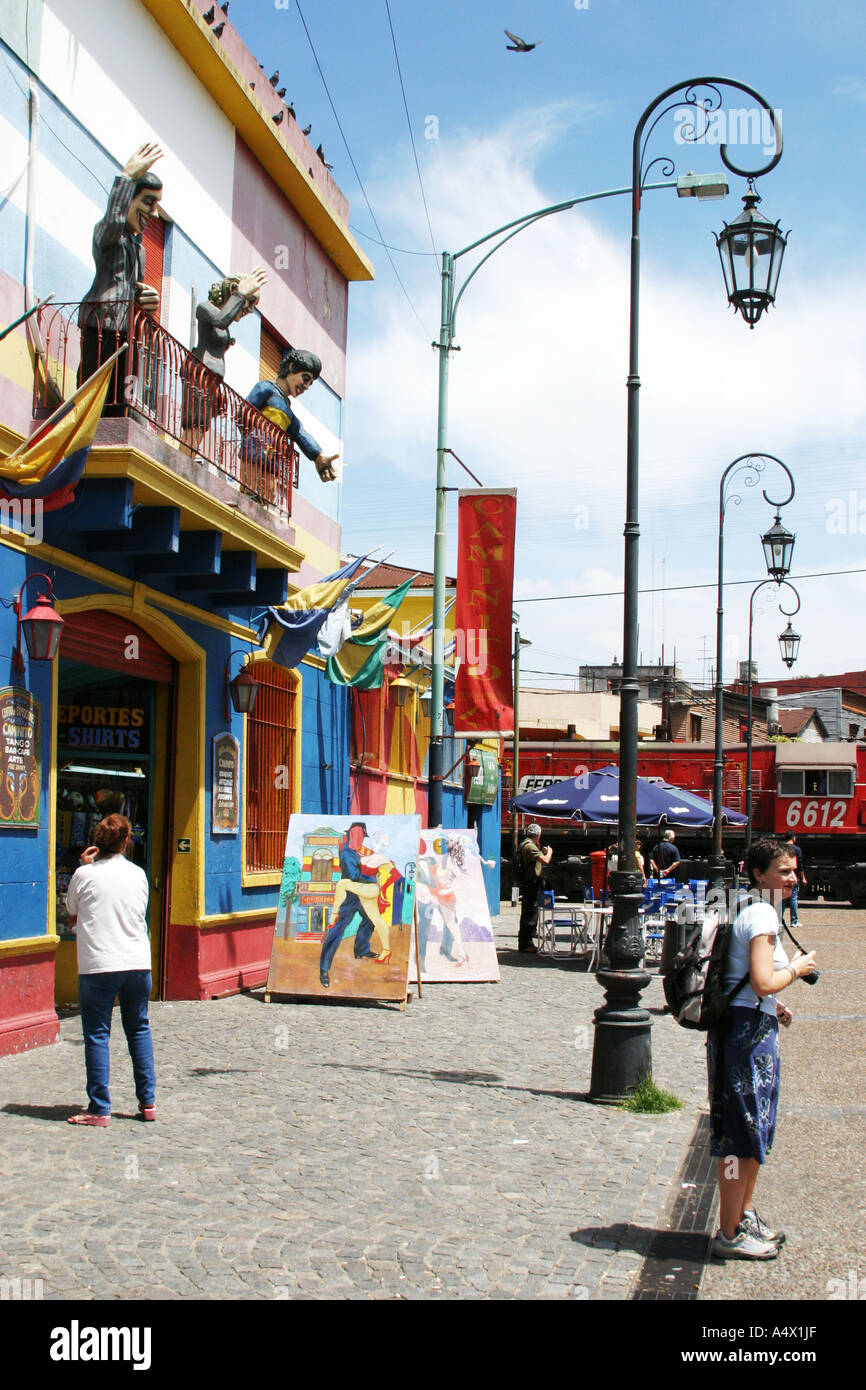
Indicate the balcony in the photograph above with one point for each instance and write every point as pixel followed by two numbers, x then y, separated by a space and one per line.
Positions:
pixel 186 481
pixel 160 383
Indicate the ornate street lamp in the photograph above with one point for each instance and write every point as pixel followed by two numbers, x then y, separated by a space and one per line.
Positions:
pixel 751 250
pixel 778 547
pixel 42 626
pixel 622 1052
pixel 789 643
pixel 789 647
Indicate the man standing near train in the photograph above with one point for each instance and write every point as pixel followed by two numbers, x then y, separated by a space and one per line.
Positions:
pixel 793 848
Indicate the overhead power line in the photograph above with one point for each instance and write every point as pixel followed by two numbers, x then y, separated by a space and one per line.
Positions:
pixel 409 126
pixel 676 588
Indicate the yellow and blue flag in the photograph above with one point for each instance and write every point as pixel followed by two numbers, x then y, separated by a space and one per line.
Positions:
pixel 51 463
pixel 290 631
pixel 360 662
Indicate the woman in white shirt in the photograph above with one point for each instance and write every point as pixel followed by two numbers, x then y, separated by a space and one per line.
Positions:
pixel 746 1045
pixel 107 904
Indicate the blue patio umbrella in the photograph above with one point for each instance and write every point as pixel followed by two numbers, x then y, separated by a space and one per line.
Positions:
pixel 594 796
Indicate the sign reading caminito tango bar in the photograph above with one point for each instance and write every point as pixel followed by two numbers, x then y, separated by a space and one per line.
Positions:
pixel 225 795
pixel 20 771
pixel 483 697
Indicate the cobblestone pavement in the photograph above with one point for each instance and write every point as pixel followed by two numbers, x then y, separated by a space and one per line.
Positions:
pixel 814 1184
pixel 356 1152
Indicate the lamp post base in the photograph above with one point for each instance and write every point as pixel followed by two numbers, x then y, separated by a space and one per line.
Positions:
pixel 622 1047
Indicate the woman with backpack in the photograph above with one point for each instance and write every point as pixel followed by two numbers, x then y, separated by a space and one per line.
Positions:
pixel 745 1045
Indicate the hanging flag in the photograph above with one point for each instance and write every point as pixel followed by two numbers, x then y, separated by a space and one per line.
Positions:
pixel 52 461
pixel 361 662
pixel 287 633
pixel 483 695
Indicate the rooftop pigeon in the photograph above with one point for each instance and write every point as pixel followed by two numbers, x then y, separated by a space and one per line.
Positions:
pixel 218 29
pixel 281 92
pixel 225 8
pixel 210 16
pixel 519 45
pixel 278 118
pixel 291 110
pixel 306 130
pixel 275 77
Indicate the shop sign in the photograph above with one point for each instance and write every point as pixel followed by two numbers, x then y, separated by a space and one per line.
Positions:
pixel 122 727
pixel 484 784
pixel 225 803
pixel 20 758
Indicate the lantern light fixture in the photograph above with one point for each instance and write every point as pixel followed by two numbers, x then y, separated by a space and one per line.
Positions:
pixel 42 626
pixel 789 644
pixel 242 690
pixel 778 545
pixel 751 249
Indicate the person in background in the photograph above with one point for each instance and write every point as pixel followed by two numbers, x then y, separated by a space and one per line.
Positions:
pixel 745 1047
pixel 793 848
pixel 664 856
pixel 107 905
pixel 532 860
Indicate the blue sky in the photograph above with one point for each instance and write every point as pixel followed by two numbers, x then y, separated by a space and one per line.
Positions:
pixel 538 390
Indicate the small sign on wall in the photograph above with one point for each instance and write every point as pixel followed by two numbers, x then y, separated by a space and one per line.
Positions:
pixel 225 796
pixel 20 760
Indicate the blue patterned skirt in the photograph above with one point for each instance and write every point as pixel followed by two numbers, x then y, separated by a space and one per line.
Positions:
pixel 750 1089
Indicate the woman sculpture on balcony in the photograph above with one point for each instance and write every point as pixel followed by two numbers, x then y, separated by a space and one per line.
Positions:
pixel 298 370
pixel 228 300
pixel 118 256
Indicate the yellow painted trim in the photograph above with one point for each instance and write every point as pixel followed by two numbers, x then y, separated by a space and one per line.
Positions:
pixel 270 878
pixel 155 598
pixel 195 42
pixel 317 662
pixel 187 819
pixel 226 919
pixel 29 945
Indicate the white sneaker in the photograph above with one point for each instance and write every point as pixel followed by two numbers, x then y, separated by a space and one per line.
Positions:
pixel 756 1227
pixel 744 1246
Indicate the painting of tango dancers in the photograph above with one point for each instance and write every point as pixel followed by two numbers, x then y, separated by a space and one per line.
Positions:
pixel 455 937
pixel 346 907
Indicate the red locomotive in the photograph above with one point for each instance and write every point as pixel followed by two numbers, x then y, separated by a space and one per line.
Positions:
pixel 816 790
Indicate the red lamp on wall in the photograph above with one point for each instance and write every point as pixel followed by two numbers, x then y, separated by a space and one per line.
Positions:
pixel 242 690
pixel 42 626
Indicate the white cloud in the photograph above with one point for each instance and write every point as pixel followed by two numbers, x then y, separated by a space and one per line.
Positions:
pixel 538 401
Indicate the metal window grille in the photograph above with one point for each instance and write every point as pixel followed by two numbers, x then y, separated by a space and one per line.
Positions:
pixel 272 736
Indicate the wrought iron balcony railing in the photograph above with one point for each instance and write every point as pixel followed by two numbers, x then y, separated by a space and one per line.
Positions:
pixel 160 381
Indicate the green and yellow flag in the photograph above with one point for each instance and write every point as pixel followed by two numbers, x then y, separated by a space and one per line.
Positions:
pixel 361 659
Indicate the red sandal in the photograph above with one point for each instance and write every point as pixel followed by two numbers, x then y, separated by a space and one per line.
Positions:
pixel 85 1118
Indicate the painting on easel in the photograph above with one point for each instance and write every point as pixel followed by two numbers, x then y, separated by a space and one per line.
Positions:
pixel 346 908
pixel 455 937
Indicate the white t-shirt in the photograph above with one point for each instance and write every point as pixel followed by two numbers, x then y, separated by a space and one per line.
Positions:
pixel 758 919
pixel 109 898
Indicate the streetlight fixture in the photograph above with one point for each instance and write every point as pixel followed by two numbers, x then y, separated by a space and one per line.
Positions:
pixel 690 185
pixel 242 690
pixel 789 642
pixel 751 251
pixel 778 545
pixel 622 1051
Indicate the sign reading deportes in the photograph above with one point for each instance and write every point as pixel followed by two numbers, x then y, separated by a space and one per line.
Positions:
pixel 483 695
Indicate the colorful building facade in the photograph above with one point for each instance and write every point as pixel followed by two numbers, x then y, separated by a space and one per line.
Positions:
pixel 169 555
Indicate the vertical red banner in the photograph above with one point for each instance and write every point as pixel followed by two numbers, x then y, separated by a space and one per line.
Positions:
pixel 483 697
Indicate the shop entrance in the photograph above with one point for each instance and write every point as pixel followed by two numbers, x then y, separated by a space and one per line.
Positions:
pixel 112 756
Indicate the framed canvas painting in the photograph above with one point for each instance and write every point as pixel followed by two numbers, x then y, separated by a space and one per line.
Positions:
pixel 455 937
pixel 346 907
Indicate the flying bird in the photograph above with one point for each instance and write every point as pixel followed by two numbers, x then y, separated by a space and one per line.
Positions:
pixel 278 118
pixel 519 45
pixel 218 29
pixel 306 130
pixel 275 77
pixel 210 16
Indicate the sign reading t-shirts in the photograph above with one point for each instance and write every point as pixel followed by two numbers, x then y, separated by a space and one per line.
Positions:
pixel 483 695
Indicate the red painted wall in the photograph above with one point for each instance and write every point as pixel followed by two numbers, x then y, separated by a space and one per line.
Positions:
pixel 27 1016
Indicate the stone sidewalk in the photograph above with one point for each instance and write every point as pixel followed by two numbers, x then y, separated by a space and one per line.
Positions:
pixel 324 1150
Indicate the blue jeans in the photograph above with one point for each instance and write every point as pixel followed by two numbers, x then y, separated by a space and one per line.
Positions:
pixel 96 995
pixel 792 902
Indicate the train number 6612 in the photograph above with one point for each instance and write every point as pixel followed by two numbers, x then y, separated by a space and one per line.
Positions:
pixel 811 813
